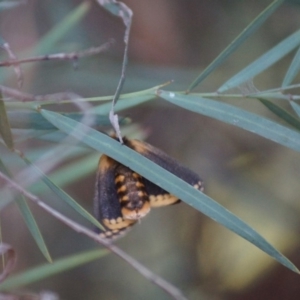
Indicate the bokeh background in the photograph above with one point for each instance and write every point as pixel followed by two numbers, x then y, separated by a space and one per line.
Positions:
pixel 254 178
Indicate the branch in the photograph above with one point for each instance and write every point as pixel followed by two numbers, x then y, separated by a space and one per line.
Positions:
pixel 16 94
pixel 58 56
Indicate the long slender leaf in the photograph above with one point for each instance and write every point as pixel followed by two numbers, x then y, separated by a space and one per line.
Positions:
pixel 27 134
pixel 248 31
pixel 29 219
pixel 164 179
pixel 104 109
pixel 63 195
pixel 5 129
pixel 236 116
pixel 32 226
pixel 62 28
pixel 44 271
pixel 71 173
pixel 296 107
pixel 263 62
pixel 270 95
pixel 33 120
pixel 293 70
pixel 281 113
pixel 132 98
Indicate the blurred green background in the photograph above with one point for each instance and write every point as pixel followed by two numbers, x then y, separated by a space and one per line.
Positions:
pixel 251 176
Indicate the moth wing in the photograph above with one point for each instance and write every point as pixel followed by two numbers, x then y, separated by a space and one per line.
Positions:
pixel 106 203
pixel 158 196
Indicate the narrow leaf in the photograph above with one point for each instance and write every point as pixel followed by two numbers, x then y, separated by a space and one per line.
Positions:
pixel 62 28
pixel 293 70
pixel 5 129
pixel 33 120
pixel 248 31
pixel 63 195
pixel 29 219
pixel 264 62
pixel 164 179
pixel 70 173
pixel 296 107
pixel 44 271
pixel 27 134
pixel 104 109
pixel 281 113
pixel 32 226
pixel 237 117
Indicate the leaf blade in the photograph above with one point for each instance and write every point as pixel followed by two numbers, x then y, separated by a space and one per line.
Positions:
pixel 29 220
pixel 44 271
pixel 281 113
pixel 32 226
pixel 63 195
pixel 250 29
pixel 263 62
pixel 62 28
pixel 296 107
pixel 5 129
pixel 33 120
pixel 166 180
pixel 293 70
pixel 236 116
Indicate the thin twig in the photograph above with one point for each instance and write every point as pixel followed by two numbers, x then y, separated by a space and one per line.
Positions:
pixel 163 284
pixel 59 56
pixel 21 96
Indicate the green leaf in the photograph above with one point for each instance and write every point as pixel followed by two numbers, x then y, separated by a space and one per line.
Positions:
pixel 21 135
pixel 44 271
pixel 264 62
pixel 248 31
pixel 237 117
pixel 164 179
pixel 63 195
pixel 32 226
pixel 130 100
pixel 296 107
pixel 33 120
pixel 5 129
pixel 62 28
pixel 292 71
pixel 269 95
pixel 70 173
pixel 281 113
pixel 29 219
pixel 104 109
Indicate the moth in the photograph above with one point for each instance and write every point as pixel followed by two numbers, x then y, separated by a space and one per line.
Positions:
pixel 123 197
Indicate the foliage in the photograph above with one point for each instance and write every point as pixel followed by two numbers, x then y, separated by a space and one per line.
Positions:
pixel 71 134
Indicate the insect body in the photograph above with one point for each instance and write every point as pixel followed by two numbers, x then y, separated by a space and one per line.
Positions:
pixel 132 194
pixel 123 197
